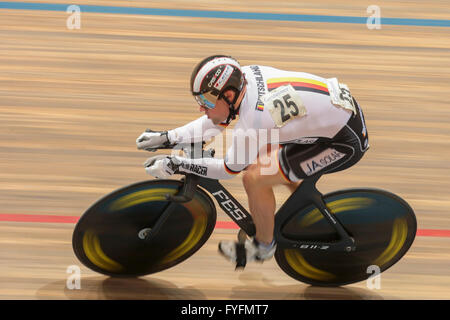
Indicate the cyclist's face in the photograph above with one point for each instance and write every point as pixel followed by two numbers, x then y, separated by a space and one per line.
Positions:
pixel 220 111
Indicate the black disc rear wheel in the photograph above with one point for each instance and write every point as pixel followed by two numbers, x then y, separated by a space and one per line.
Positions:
pixel 382 224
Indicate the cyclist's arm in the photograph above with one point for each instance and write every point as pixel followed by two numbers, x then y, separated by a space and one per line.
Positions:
pixel 207 167
pixel 201 129
pixel 237 159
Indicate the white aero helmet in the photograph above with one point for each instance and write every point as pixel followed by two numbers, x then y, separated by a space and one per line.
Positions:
pixel 212 77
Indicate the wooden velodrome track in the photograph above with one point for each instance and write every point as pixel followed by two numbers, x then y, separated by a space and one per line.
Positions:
pixel 72 103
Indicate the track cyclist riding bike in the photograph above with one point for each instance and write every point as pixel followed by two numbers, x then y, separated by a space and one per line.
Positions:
pixel 300 123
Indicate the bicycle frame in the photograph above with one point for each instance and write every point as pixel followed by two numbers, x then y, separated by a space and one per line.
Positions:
pixel 229 205
pixel 305 194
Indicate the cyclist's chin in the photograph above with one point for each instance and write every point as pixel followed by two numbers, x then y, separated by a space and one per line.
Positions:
pixel 216 121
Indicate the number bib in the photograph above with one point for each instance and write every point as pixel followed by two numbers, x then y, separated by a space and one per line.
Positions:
pixel 284 104
pixel 340 95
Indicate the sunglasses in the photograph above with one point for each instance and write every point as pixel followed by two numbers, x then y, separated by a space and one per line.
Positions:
pixel 206 100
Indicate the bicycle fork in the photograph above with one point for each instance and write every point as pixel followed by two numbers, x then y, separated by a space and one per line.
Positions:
pixel 185 195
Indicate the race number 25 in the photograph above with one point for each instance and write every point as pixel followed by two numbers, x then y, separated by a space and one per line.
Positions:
pixel 284 104
pixel 288 104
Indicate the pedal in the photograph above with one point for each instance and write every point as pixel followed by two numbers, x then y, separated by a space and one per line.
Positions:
pixel 241 257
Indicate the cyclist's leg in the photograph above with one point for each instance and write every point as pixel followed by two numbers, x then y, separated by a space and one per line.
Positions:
pixel 259 180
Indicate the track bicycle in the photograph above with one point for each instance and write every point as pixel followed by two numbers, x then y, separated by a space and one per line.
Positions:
pixel 322 240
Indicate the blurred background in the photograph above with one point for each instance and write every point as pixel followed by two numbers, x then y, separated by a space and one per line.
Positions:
pixel 76 90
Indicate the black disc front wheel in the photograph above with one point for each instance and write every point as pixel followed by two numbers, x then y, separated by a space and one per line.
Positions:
pixel 114 236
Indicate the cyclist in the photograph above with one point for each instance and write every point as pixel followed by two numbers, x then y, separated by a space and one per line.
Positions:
pixel 302 123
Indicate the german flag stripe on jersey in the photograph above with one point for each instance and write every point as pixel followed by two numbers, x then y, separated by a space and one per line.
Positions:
pixel 301 84
pixel 279 165
pixel 228 170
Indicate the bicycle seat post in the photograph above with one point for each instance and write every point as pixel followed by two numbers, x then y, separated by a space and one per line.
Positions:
pixel 307 193
pixel 317 198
